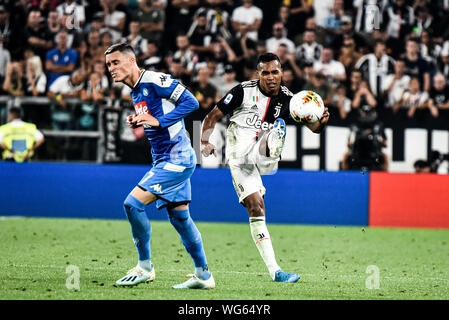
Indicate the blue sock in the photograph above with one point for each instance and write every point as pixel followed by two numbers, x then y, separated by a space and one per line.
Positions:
pixel 140 226
pixel 191 239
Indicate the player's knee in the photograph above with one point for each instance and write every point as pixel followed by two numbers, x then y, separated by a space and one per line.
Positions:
pixel 179 215
pixel 255 208
pixel 132 202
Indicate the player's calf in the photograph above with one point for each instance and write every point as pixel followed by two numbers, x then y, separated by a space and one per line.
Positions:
pixel 191 239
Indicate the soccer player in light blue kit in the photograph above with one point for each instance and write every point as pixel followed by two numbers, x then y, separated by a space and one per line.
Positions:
pixel 161 103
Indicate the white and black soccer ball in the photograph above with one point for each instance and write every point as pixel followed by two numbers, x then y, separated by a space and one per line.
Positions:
pixel 306 107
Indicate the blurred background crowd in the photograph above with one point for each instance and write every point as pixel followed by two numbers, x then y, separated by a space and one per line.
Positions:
pixel 386 59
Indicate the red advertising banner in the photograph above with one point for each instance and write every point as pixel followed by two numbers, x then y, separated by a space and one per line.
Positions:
pixel 409 200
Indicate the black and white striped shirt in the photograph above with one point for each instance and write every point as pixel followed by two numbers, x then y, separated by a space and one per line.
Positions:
pixel 375 70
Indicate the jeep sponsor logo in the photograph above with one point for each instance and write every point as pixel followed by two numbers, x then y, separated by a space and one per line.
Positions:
pixel 255 122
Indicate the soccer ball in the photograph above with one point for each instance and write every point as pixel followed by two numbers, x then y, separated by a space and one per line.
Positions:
pixel 306 107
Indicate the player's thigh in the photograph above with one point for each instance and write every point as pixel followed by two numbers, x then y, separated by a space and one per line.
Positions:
pixel 246 180
pixel 143 196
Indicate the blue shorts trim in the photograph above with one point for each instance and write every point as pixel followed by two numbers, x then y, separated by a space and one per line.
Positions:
pixel 170 183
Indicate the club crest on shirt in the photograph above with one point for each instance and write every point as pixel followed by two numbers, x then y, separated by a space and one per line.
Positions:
pixel 145 92
pixel 278 110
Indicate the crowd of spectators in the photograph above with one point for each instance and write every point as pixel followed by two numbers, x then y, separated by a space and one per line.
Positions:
pixel 391 54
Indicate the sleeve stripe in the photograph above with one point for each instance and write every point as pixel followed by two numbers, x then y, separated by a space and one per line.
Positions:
pixel 177 92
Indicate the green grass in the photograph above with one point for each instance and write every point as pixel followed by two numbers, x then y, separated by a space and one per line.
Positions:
pixel 332 261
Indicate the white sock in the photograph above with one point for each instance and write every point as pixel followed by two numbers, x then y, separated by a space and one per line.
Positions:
pixel 145 265
pixel 262 239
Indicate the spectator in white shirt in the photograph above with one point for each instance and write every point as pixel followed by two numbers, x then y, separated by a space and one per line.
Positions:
pixel 334 70
pixel 248 15
pixel 414 99
pixel 279 36
pixel 395 84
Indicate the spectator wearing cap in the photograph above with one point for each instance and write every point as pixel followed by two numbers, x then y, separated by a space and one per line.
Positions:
pixel 249 17
pixel 279 36
pixel 60 60
pixel 37 35
pixel 230 82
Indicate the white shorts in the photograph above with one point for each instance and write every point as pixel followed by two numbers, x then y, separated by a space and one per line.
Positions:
pixel 247 170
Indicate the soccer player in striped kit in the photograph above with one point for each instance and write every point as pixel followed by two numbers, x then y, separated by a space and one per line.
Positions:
pixel 254 142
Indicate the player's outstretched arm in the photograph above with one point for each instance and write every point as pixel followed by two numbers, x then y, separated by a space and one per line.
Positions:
pixel 211 119
pixel 318 126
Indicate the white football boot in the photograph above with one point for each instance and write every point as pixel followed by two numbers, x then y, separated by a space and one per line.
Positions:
pixel 276 138
pixel 196 283
pixel 135 276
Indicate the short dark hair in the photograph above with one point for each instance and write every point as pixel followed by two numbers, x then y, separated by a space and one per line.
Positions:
pixel 267 57
pixel 15 112
pixel 121 47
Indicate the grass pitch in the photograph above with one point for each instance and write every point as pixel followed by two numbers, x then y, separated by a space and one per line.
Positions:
pixel 334 262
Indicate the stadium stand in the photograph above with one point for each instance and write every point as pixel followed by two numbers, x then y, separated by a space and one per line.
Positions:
pixel 52 67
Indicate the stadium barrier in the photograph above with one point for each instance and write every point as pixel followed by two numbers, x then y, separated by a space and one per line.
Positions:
pixel 98 191
pixel 409 200
pixel 293 196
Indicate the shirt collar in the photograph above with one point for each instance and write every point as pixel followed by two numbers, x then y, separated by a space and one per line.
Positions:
pixel 140 78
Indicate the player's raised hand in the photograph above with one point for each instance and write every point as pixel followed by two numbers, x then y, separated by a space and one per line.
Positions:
pixel 148 119
pixel 207 149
